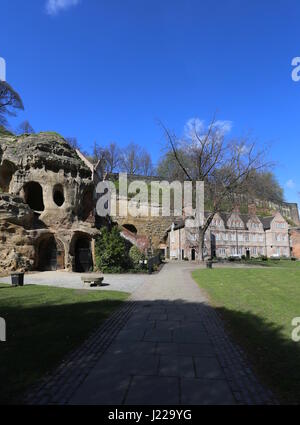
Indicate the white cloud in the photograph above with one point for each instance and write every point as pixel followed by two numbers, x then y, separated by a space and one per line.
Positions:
pixel 224 126
pixel 192 125
pixel 196 125
pixel 53 7
pixel 290 184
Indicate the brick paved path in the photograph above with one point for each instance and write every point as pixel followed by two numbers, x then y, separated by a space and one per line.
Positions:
pixel 166 346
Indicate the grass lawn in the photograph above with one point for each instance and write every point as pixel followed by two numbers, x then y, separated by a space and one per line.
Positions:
pixel 43 324
pixel 258 306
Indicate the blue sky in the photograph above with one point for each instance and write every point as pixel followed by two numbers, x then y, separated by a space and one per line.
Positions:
pixel 106 70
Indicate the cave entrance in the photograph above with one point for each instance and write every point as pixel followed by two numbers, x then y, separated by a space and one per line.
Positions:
pixel 51 254
pixel 83 255
pixel 58 195
pixel 7 170
pixel 33 195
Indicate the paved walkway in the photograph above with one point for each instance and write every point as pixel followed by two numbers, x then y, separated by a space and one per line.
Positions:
pixel 168 346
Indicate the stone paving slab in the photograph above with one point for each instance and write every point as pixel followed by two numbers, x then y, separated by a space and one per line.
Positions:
pixel 180 366
pixel 154 390
pixel 205 392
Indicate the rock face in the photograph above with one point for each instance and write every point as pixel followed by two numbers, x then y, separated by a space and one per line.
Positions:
pixel 46 204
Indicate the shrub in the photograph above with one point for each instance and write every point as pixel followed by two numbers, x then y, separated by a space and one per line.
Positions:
pixel 264 258
pixel 136 256
pixel 111 252
pixel 293 258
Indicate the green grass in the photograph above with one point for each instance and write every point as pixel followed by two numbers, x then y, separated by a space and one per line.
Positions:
pixel 43 325
pixel 258 306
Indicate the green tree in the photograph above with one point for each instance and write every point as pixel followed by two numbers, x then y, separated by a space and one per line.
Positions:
pixel 10 100
pixel 136 256
pixel 25 128
pixel 111 251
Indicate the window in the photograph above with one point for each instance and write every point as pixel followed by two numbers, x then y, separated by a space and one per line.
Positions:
pixel 232 236
pixel 254 250
pixel 240 237
pixel 225 236
pixel 247 237
pixel 218 236
pixel 222 251
pixel 280 225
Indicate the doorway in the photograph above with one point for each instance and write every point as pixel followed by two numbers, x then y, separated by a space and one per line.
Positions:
pixel 83 255
pixel 51 254
pixel 193 254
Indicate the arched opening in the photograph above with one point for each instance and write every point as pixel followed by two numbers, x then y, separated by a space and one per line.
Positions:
pixel 50 254
pixel 83 254
pixel 33 196
pixel 193 254
pixel 131 228
pixel 7 170
pixel 58 195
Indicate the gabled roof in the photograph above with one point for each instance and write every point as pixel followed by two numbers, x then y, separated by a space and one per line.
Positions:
pixel 266 221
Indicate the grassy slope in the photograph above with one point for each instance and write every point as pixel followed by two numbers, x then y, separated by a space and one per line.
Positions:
pixel 43 325
pixel 258 306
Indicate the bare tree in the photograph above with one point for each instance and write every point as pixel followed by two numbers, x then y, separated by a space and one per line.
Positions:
pixel 25 128
pixel 146 166
pixel 113 157
pixel 10 101
pixel 99 158
pixel 224 166
pixel 131 159
pixel 73 142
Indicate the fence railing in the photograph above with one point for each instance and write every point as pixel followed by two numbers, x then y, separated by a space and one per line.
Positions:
pixel 155 260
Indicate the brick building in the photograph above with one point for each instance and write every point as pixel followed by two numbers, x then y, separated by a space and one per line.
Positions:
pixel 233 234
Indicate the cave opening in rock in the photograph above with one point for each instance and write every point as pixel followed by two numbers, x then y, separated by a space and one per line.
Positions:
pixel 83 254
pixel 58 195
pixel 50 254
pixel 33 194
pixel 6 172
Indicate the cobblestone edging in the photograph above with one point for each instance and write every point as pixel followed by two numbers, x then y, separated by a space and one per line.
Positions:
pixel 59 386
pixel 243 383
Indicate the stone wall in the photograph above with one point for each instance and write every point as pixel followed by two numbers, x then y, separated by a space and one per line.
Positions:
pixel 295 242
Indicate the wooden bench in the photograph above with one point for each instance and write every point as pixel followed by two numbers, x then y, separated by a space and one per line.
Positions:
pixel 92 280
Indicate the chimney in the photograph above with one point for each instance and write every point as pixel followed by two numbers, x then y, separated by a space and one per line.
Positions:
pixel 252 209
